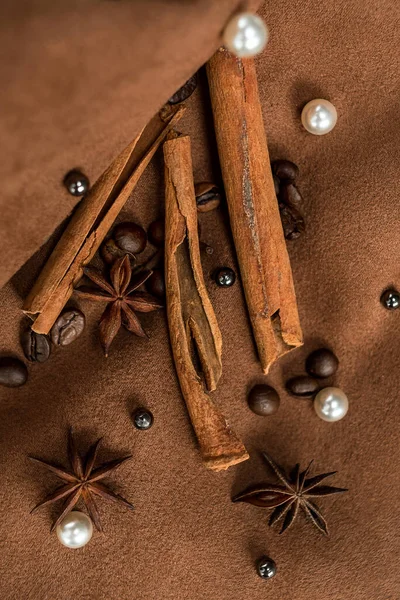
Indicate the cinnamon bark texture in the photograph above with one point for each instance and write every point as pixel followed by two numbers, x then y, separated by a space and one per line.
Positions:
pixel 194 332
pixel 91 222
pixel 253 209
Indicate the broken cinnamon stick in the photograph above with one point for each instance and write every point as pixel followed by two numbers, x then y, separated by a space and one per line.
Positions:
pixel 194 332
pixel 91 222
pixel 253 209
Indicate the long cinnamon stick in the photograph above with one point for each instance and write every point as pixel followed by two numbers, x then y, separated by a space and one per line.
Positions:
pixel 253 209
pixel 91 222
pixel 191 319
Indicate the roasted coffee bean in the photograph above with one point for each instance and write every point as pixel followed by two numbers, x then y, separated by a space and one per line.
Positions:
pixel 155 284
pixel 290 195
pixel 263 400
pixel 130 237
pixel 13 372
pixel 110 252
pixel 156 232
pixel 36 347
pixel 142 419
pixel 208 196
pixel 292 221
pixel 225 277
pixel 266 567
pixel 276 185
pixel 68 327
pixel 285 170
pixel 185 91
pixel 76 183
pixel 390 299
pixel 303 385
pixel 322 363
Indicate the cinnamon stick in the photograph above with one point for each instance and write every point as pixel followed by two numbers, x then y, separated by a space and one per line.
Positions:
pixel 253 209
pixel 193 327
pixel 91 222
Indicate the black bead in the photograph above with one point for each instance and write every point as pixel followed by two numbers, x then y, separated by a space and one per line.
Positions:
pixel 76 183
pixel 142 419
pixel 390 299
pixel 225 277
pixel 266 567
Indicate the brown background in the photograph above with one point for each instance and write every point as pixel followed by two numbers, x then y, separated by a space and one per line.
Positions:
pixel 186 540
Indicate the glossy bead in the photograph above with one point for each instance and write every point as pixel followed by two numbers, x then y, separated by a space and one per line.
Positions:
pixel 390 299
pixel 245 35
pixel 266 567
pixel 76 183
pixel 225 277
pixel 322 363
pixel 263 400
pixel 319 116
pixel 75 530
pixel 142 419
pixel 331 404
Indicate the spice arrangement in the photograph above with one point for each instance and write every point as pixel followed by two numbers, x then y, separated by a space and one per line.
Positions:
pixel 264 206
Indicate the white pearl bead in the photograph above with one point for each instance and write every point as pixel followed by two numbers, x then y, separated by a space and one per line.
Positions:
pixel 331 404
pixel 245 35
pixel 75 530
pixel 319 116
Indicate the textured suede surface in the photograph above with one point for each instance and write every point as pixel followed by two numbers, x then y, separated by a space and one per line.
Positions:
pixel 186 540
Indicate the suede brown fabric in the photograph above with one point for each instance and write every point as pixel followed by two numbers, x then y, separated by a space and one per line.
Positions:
pixel 185 539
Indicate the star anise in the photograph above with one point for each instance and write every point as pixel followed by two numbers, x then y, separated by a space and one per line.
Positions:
pixel 296 492
pixel 83 483
pixel 122 298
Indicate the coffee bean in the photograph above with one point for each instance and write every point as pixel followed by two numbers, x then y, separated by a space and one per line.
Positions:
pixel 76 183
pixel 13 372
pixel 263 400
pixel 285 170
pixel 390 299
pixel 156 232
pixel 36 347
pixel 130 237
pixel 208 196
pixel 185 91
pixel 225 277
pixel 292 222
pixel 155 284
pixel 322 363
pixel 110 252
pixel 302 385
pixel 276 185
pixel 68 327
pixel 290 195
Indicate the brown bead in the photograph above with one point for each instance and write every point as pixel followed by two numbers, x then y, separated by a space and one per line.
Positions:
pixel 208 196
pixel 302 385
pixel 285 170
pixel 68 327
pixel 130 237
pixel 155 284
pixel 156 232
pixel 322 363
pixel 13 372
pixel 36 347
pixel 263 400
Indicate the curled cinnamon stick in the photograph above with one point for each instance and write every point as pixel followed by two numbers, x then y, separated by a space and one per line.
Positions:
pixel 91 222
pixel 194 332
pixel 253 209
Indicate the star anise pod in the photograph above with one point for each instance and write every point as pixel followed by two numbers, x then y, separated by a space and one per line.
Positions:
pixel 297 491
pixel 122 298
pixel 84 482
